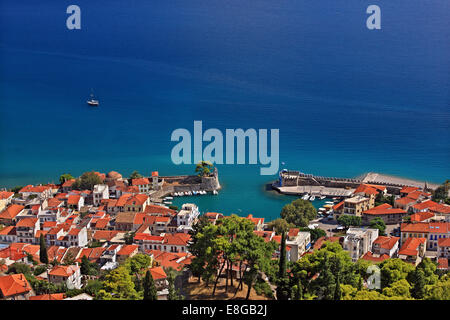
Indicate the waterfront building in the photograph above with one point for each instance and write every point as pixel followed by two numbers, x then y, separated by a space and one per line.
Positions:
pixel 386 212
pixel 356 205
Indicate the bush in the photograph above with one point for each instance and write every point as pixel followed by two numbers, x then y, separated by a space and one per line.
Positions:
pixel 39 269
pixel 262 288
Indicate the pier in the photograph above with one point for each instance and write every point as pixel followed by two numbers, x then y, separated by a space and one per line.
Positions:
pixel 297 183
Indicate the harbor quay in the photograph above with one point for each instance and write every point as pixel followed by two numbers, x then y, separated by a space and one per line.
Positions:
pixel 292 182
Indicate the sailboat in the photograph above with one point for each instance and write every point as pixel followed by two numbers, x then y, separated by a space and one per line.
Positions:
pixel 93 102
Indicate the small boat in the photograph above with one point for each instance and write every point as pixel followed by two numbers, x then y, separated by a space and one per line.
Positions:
pixel 322 197
pixel 305 197
pixel 322 209
pixel 313 197
pixel 167 202
pixel 93 102
pixel 215 192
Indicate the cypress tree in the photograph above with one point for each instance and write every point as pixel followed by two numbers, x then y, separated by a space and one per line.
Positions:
pixel 283 288
pixel 43 257
pixel 172 292
pixel 418 290
pixel 282 266
pixel 149 287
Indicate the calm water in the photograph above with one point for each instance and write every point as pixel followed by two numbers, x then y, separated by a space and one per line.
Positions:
pixel 346 100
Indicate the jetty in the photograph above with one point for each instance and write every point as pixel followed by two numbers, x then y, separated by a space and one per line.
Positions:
pixel 298 183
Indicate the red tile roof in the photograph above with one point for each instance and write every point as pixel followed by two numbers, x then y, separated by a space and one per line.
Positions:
pixel 8 231
pixel 444 242
pixel 63 271
pixel 370 257
pixel 73 199
pixel 127 249
pixel 421 216
pixel 5 195
pixel 180 239
pixel 255 220
pixel 50 296
pixel 27 222
pixel 383 209
pixel 140 182
pixel 154 209
pixel 14 284
pixel 338 206
pixel 386 242
pixel 11 211
pixel 443 263
pixel 68 183
pixel 34 189
pixel 158 273
pixel 425 227
pixel 404 201
pixel 105 234
pixel 366 189
pixel 424 205
pixel 408 189
pixel 411 246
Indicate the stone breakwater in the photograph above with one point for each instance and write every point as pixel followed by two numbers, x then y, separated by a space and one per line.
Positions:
pixel 295 182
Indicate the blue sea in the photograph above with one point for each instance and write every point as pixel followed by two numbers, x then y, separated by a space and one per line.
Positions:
pixel 347 100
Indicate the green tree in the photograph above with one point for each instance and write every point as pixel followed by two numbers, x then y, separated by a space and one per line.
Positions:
pixel 283 288
pixel 87 181
pixel 203 248
pixel 440 290
pixel 173 294
pixel 85 265
pixel 138 263
pixel 337 273
pixel 129 237
pixel 418 290
pixel 43 256
pixel 393 270
pixel 349 220
pixel 441 192
pixel 204 168
pixel 399 288
pixel 150 292
pixel 279 225
pixel 378 223
pixel 135 175
pixel 299 212
pixel 118 285
pixel 65 177
pixel 315 233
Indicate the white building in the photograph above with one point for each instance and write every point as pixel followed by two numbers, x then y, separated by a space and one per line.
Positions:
pixel 186 216
pixel 101 191
pixel 358 241
pixel 299 242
